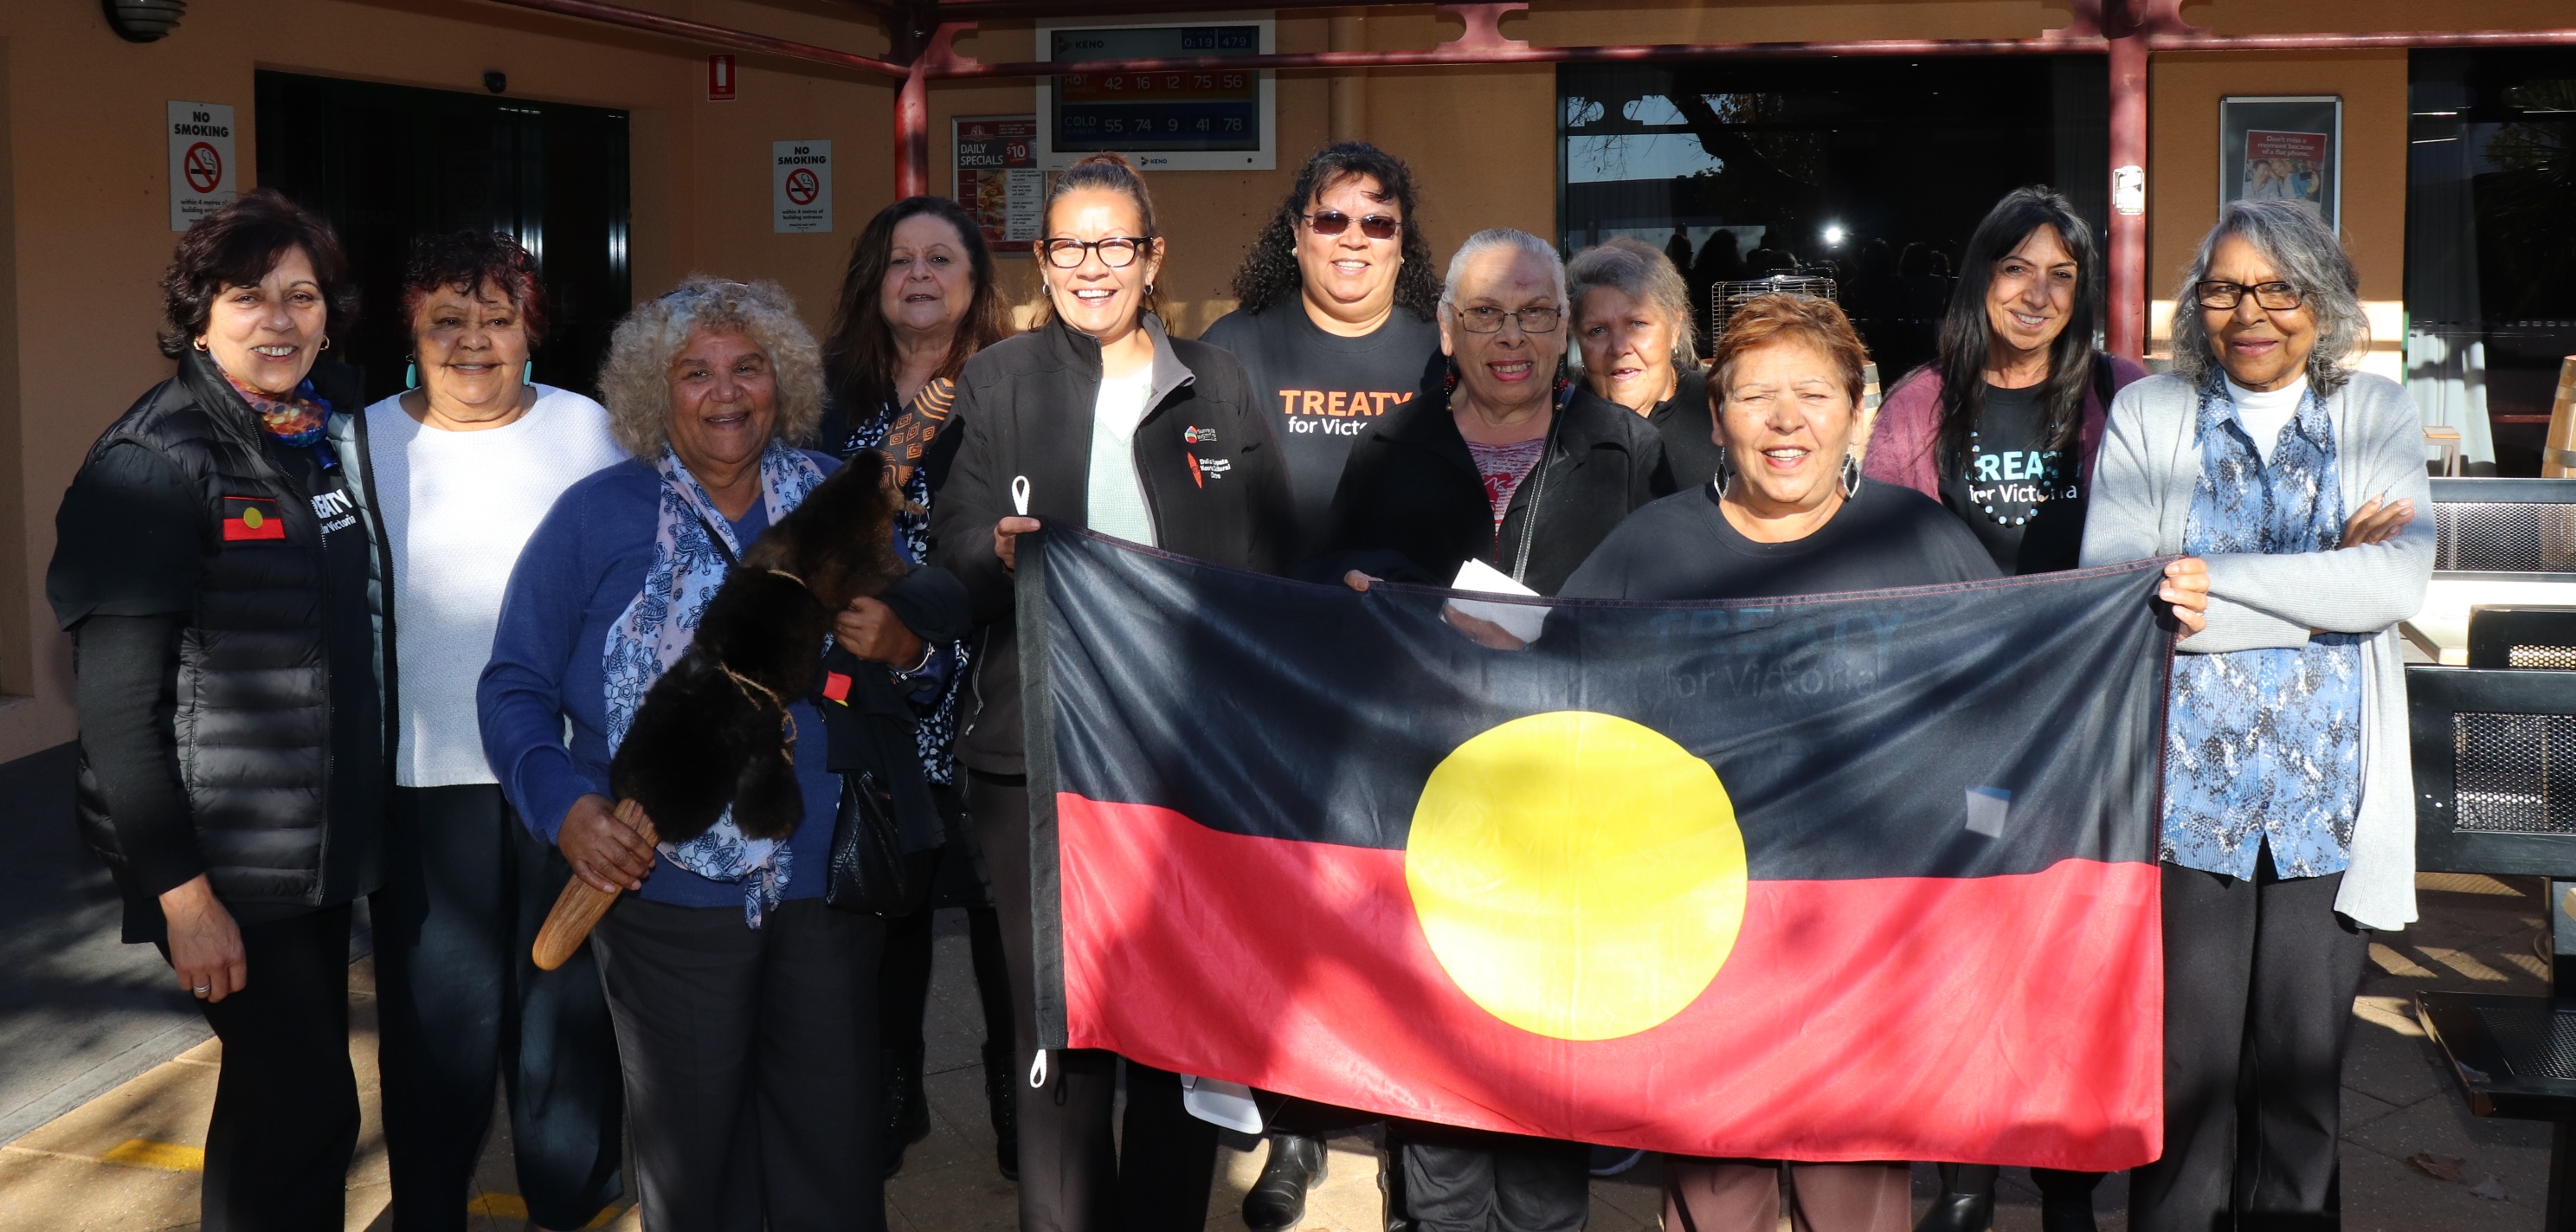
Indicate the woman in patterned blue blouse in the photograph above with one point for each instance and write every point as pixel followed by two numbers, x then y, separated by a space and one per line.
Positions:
pixel 2289 483
pixel 917 301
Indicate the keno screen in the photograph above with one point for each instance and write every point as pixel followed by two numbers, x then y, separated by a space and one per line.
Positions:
pixel 1189 109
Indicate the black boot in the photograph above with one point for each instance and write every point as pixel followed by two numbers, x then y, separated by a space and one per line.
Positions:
pixel 907 1109
pixel 2066 1215
pixel 1002 1093
pixel 1967 1201
pixel 1278 1199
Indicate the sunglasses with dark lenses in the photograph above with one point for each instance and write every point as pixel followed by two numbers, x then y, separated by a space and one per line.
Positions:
pixel 2277 296
pixel 1334 222
pixel 1116 252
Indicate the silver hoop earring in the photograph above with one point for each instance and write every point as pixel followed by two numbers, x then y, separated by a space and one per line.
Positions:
pixel 1724 471
pixel 1149 288
pixel 1851 475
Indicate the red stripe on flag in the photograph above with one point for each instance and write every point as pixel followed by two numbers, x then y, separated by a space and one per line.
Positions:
pixel 2005 1020
pixel 237 529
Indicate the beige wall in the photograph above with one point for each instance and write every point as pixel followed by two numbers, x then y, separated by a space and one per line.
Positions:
pixel 83 202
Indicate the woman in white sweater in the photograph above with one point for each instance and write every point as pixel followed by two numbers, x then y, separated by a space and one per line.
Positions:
pixel 467 461
pixel 2290 484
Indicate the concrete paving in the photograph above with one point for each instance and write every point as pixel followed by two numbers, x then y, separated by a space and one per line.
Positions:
pixel 126 1159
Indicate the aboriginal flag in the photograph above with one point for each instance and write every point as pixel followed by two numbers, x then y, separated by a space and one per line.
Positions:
pixel 1861 876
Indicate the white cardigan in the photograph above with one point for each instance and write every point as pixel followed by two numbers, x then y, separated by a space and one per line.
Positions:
pixel 2141 501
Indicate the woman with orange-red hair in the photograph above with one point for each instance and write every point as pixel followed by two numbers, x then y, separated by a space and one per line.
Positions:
pixel 1787 515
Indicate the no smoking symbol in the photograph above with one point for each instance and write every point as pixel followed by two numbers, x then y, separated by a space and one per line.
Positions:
pixel 203 167
pixel 803 186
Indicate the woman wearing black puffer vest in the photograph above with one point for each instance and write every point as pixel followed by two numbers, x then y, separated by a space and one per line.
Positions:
pixel 219 567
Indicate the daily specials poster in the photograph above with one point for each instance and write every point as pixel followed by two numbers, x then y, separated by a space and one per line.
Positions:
pixel 998 180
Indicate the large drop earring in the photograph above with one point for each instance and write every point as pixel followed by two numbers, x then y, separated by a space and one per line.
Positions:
pixel 411 373
pixel 1724 471
pixel 1851 475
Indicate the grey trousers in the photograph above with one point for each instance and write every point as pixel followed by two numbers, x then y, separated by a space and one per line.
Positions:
pixel 751 1108
pixel 2259 981
pixel 1074 1176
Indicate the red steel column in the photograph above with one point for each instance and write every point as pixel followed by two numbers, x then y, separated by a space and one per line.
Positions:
pixel 2127 328
pixel 912 132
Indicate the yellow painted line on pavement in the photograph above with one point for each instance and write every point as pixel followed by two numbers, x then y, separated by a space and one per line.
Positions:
pixel 512 1206
pixel 2394 963
pixel 166 1156
pixel 2462 962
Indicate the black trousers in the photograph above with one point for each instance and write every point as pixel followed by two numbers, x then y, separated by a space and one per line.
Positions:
pixel 466 889
pixel 1073 1175
pixel 1465 1181
pixel 903 983
pixel 286 1102
pixel 752 1109
pixel 2259 981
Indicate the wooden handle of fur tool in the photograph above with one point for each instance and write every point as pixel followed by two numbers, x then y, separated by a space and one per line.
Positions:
pixel 578 909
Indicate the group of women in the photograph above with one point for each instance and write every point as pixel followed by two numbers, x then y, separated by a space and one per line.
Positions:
pixel 327 652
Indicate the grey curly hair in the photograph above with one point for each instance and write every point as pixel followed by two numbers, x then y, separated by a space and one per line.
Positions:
pixel 635 380
pixel 2304 252
pixel 1638 269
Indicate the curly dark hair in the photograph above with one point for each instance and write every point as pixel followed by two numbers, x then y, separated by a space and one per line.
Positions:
pixel 464 261
pixel 237 246
pixel 1269 273
pixel 859 354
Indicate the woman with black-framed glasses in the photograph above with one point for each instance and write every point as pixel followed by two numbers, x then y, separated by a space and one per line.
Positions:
pixel 1335 328
pixel 1504 458
pixel 1096 418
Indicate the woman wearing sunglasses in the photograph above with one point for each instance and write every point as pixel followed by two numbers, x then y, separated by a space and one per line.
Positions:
pixel 1335 328
pixel 1095 418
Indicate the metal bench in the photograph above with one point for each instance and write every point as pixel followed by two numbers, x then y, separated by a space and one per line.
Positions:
pixel 2494 751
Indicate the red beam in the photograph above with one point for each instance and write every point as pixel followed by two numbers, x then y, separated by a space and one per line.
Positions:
pixel 1664 53
pixel 2125 295
pixel 716 36
pixel 2394 40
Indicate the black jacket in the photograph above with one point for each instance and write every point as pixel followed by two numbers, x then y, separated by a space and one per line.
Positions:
pixel 1412 508
pixel 254 714
pixel 1216 485
pixel 871 730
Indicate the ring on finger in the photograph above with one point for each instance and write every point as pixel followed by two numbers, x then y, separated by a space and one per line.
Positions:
pixel 202 989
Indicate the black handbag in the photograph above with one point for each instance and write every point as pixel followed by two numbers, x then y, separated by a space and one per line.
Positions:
pixel 870 872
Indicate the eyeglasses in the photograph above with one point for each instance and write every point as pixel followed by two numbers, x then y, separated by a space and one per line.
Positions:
pixel 1334 222
pixel 1116 252
pixel 1484 320
pixel 2276 296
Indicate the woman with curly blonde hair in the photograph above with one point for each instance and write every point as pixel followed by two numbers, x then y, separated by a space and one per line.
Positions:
pixel 735 991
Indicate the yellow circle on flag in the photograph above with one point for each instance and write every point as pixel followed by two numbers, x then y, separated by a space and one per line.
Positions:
pixel 1578 875
pixel 251 519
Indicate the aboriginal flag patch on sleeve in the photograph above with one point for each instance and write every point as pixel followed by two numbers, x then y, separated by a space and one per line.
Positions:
pixel 252 517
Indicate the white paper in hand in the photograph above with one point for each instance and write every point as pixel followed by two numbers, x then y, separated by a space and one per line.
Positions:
pixel 1523 621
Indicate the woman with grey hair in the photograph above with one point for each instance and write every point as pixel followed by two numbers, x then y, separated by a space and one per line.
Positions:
pixel 1507 460
pixel 2288 482
pixel 737 995
pixel 1633 332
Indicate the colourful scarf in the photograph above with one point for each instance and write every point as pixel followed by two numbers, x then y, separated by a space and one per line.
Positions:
pixel 660 622
pixel 295 420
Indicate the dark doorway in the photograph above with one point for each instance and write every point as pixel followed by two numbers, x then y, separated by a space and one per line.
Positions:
pixel 1879 168
pixel 389 163
pixel 2490 249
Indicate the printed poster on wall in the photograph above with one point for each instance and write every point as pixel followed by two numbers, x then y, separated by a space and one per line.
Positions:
pixel 800 177
pixel 202 178
pixel 998 180
pixel 2282 149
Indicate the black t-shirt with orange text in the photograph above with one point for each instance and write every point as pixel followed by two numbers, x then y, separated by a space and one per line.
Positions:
pixel 1323 389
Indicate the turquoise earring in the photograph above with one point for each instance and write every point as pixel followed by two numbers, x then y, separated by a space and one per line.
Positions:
pixel 411 375
pixel 528 374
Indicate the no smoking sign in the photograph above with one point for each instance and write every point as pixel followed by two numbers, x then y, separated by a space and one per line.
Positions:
pixel 201 161
pixel 800 179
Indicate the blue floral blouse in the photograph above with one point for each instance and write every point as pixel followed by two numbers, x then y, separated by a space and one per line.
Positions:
pixel 936 703
pixel 2263 747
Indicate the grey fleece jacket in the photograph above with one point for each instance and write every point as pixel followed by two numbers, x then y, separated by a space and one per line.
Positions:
pixel 2142 487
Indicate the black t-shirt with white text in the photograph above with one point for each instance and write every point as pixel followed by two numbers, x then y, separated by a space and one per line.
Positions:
pixel 1323 389
pixel 2024 501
